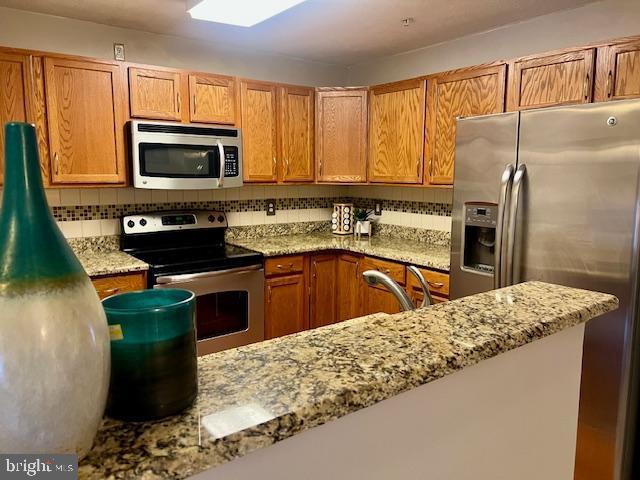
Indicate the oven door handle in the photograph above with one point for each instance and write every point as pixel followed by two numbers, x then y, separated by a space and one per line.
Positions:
pixel 222 163
pixel 186 277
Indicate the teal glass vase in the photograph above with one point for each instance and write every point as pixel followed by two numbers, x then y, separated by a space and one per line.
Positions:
pixel 54 337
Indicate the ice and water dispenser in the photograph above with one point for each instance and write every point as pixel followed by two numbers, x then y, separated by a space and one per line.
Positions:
pixel 479 238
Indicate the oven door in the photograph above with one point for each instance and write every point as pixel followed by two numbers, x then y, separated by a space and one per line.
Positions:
pixel 229 306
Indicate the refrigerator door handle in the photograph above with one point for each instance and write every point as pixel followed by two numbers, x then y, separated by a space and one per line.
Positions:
pixel 505 185
pixel 513 214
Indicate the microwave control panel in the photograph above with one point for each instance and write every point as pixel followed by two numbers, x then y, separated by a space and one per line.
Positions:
pixel 231 162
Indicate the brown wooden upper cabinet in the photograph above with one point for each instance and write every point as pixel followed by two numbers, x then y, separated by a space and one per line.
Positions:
pixel 258 102
pixel 296 134
pixel 341 135
pixel 22 100
pixel 213 99
pixel 464 92
pixel 396 129
pixel 277 132
pixel 155 94
pixel 557 79
pixel 86 117
pixel 618 71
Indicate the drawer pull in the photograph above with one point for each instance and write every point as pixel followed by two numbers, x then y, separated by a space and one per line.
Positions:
pixel 283 266
pixel 384 270
pixel 435 284
pixel 108 292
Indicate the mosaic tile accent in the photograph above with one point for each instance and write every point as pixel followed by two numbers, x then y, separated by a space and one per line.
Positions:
pixel 114 211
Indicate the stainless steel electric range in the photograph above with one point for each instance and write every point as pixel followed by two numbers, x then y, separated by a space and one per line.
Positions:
pixel 187 250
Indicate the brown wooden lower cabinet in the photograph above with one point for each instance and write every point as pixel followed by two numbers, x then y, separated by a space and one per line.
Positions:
pixel 324 285
pixel 349 280
pixel 328 288
pixel 108 285
pixel 285 305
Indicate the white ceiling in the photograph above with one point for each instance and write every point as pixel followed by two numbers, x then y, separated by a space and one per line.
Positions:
pixel 343 32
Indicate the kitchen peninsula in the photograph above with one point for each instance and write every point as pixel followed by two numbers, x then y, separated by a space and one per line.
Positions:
pixel 411 393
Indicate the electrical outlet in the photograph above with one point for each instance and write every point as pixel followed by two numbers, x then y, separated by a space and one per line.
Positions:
pixel 377 211
pixel 271 207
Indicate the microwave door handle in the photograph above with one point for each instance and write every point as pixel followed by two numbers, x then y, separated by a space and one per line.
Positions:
pixel 518 177
pixel 505 187
pixel 221 151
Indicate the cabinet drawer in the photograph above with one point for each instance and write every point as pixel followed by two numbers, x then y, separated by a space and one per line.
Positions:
pixel 110 285
pixel 281 265
pixel 394 270
pixel 438 282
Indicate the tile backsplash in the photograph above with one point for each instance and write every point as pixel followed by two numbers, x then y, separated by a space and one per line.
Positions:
pixel 96 212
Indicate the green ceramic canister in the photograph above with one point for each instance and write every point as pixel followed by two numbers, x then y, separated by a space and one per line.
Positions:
pixel 153 353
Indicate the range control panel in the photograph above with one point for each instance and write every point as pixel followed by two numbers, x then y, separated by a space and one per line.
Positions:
pixel 480 214
pixel 170 221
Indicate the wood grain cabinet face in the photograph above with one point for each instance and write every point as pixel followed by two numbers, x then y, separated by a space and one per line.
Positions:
pixel 296 134
pixel 618 72
pixel 324 285
pixel 155 94
pixel 468 92
pixel 113 284
pixel 559 79
pixel 259 131
pixel 212 99
pixel 348 291
pixel 86 119
pixel 396 132
pixel 22 100
pixel 378 299
pixel 341 135
pixel 286 306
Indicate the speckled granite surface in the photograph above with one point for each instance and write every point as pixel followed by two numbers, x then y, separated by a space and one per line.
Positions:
pixel 402 250
pixel 101 256
pixel 301 381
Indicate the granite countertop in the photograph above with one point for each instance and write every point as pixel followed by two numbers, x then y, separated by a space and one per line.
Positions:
pixel 417 253
pixel 102 256
pixel 281 387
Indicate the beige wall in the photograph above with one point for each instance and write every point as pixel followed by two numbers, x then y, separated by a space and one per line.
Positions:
pixel 594 22
pixel 21 29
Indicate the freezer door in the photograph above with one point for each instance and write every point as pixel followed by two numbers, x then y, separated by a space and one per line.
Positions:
pixel 576 226
pixel 485 147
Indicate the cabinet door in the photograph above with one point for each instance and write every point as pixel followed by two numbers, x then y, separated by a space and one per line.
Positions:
pixel 259 137
pixel 296 134
pixel 154 94
pixel 396 132
pixel 86 121
pixel 324 284
pixel 286 306
pixel 341 135
pixel 212 99
pixel 348 291
pixel 618 72
pixel 544 81
pixel 379 299
pixel 468 92
pixel 22 100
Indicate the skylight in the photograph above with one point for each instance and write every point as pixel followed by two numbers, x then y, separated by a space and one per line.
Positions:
pixel 245 13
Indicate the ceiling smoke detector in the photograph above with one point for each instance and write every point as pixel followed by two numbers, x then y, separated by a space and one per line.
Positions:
pixel 407 21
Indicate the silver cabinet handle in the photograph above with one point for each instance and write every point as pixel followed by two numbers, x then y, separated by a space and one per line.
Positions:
pixel 221 151
pixel 505 186
pixel 513 213
pixel 187 277
pixel 435 284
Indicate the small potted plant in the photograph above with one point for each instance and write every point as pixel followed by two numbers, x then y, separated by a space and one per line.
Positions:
pixel 362 217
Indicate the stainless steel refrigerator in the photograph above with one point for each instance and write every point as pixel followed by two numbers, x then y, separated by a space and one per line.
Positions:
pixel 553 195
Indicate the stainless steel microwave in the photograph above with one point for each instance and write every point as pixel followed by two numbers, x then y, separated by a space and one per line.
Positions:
pixel 172 156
